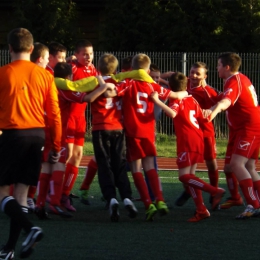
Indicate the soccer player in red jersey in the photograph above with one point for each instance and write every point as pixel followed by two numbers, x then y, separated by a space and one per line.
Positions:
pixel 51 176
pixel 239 100
pixel 109 144
pixel 188 117
pixel 76 127
pixel 139 124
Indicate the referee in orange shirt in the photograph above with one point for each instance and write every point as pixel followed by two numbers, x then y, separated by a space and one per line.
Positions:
pixel 27 92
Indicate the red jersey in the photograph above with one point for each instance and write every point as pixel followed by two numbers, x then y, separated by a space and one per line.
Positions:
pixel 106 112
pixel 66 99
pixel 50 69
pixel 138 108
pixel 206 97
pixel 243 114
pixel 187 125
pixel 79 72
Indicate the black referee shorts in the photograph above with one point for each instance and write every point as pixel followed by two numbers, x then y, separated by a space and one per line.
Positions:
pixel 20 156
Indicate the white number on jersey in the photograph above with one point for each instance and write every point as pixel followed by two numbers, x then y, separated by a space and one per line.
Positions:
pixel 110 104
pixel 141 102
pixel 254 96
pixel 193 119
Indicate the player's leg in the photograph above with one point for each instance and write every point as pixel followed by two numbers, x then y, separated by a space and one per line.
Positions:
pixel 102 142
pixel 88 179
pixel 25 159
pixel 118 164
pixel 193 181
pixel 43 189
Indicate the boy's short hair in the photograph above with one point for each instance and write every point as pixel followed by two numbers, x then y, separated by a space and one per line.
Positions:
pixel 154 67
pixel 178 82
pixel 82 44
pixel 62 70
pixel 20 39
pixel 141 61
pixel 55 47
pixel 200 64
pixel 231 59
pixel 38 51
pixel 107 64
pixel 126 63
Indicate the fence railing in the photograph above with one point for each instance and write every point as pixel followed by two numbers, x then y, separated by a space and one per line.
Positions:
pixel 182 61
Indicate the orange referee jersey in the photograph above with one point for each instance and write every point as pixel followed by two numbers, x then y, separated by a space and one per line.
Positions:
pixel 27 91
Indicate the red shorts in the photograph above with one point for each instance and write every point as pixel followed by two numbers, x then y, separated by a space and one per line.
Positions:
pixel 210 148
pixel 185 159
pixel 138 148
pixel 76 129
pixel 243 144
pixel 48 146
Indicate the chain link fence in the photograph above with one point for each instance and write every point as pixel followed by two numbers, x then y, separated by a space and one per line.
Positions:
pixel 179 61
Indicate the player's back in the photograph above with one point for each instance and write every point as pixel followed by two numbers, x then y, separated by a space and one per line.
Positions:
pixel 29 89
pixel 187 123
pixel 243 114
pixel 138 108
pixel 107 112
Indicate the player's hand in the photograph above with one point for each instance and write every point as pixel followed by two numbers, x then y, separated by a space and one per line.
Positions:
pixel 206 113
pixel 71 58
pixel 53 157
pixel 101 81
pixel 154 95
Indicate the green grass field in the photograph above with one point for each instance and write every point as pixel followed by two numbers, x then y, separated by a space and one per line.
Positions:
pixel 165 144
pixel 91 235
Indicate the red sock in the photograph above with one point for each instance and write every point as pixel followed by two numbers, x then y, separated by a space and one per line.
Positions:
pixel 43 188
pixel 31 192
pixel 89 175
pixel 154 182
pixel 141 186
pixel 213 178
pixel 71 174
pixel 198 199
pixel 248 191
pixel 232 185
pixel 56 183
pixel 195 182
pixel 256 185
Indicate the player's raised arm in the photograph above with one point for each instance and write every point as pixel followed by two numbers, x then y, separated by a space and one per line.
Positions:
pixel 155 97
pixel 219 107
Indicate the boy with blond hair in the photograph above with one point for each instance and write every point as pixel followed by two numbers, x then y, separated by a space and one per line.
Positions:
pixel 109 144
pixel 139 124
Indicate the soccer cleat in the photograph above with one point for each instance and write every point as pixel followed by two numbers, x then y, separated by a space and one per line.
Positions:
pixel 132 210
pixel 182 199
pixel 150 212
pixel 67 203
pixel 217 198
pixel 198 216
pixel 113 210
pixel 249 212
pixel 34 236
pixel 58 210
pixel 41 213
pixel 84 197
pixel 31 204
pixel 6 254
pixel 231 203
pixel 73 196
pixel 162 208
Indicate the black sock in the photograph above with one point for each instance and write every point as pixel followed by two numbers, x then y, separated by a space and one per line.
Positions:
pixel 12 209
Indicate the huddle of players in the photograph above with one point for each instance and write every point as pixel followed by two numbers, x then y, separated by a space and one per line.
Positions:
pixel 195 137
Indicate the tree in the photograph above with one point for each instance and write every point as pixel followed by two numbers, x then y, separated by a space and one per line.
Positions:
pixel 181 25
pixel 52 20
